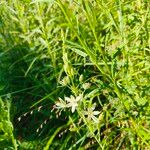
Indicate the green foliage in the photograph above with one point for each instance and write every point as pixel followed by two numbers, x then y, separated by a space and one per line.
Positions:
pixel 78 73
pixel 7 139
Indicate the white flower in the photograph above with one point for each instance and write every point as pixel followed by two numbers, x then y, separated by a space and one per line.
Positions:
pixel 69 102
pixel 61 104
pixel 73 101
pixel 90 113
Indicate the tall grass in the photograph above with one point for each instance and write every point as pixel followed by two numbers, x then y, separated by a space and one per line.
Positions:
pixel 78 72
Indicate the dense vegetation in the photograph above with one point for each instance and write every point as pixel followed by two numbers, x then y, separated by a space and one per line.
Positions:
pixel 75 74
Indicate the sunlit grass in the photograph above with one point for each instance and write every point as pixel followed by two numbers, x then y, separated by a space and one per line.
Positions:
pixel 78 72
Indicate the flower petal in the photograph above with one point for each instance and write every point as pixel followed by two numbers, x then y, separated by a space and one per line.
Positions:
pixel 96 112
pixel 67 99
pixel 95 119
pixel 73 109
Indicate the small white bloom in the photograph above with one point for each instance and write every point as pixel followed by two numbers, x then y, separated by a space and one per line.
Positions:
pixel 69 102
pixel 65 81
pixel 91 114
pixel 73 101
pixel 61 104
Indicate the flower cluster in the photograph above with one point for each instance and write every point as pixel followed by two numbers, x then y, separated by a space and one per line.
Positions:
pixel 73 102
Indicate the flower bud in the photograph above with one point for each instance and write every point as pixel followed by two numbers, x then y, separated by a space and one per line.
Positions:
pixel 81 78
pixel 86 85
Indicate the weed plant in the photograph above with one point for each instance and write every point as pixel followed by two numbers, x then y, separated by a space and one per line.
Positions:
pixel 78 72
pixel 6 127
